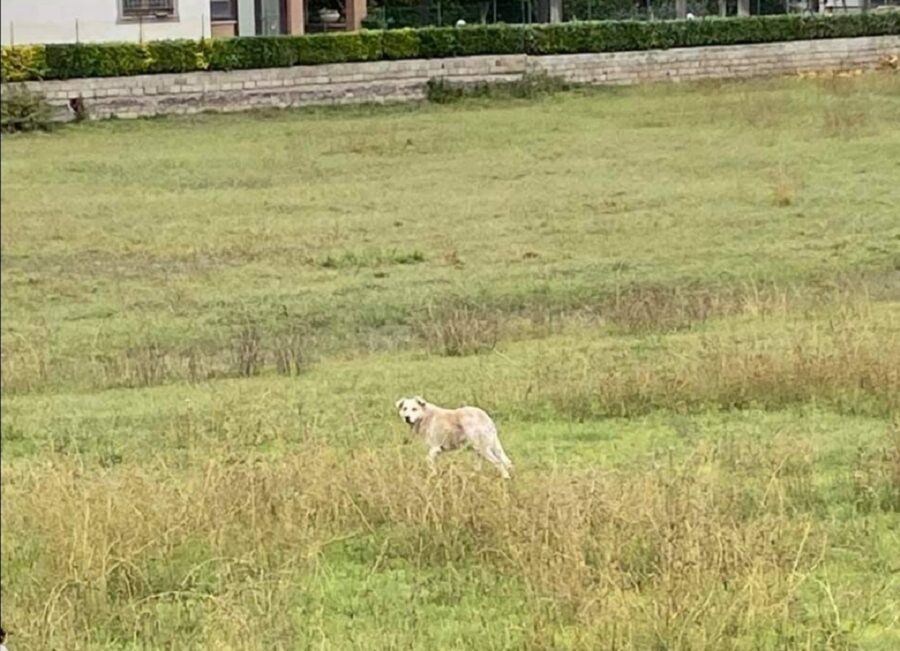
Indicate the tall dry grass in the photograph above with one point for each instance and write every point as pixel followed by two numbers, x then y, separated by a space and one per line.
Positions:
pixel 34 364
pixel 850 362
pixel 853 377
pixel 257 343
pixel 459 328
pixel 681 556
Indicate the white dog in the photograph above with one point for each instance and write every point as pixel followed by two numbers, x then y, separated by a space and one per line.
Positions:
pixel 449 429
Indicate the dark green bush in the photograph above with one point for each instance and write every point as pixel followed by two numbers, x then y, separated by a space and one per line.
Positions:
pixel 438 42
pixel 615 36
pixel 176 56
pixel 337 48
pixel 96 60
pixel 491 39
pixel 101 60
pixel 401 44
pixel 23 110
pixel 248 52
pixel 626 35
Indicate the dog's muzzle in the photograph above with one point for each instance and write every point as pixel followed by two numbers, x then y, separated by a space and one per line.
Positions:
pixel 409 421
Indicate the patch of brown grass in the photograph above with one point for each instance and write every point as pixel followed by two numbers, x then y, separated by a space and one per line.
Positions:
pixel 459 329
pixel 854 367
pixel 685 556
pixel 644 309
pixel 784 191
pixel 254 344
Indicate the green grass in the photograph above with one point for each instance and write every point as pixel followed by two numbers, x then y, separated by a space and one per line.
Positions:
pixel 681 304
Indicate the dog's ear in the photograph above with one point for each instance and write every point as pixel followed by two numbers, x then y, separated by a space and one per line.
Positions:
pixel 399 403
pixel 420 400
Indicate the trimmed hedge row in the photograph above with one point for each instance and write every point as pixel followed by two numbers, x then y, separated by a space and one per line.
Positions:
pixel 32 62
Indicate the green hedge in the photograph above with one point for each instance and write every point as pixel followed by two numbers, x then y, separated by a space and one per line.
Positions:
pixel 177 56
pixel 243 53
pixel 337 48
pixel 30 62
pixel 108 60
pixel 401 44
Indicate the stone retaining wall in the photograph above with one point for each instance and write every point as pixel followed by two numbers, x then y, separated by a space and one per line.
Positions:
pixel 397 81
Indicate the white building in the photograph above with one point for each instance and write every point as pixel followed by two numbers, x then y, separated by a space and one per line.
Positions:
pixel 92 21
pixel 70 21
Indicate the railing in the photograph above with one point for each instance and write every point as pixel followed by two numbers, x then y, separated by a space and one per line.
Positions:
pixel 147 8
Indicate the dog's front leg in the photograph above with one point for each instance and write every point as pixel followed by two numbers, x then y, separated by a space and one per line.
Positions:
pixel 433 453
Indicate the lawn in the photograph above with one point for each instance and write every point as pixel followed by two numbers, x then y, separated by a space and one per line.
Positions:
pixel 680 303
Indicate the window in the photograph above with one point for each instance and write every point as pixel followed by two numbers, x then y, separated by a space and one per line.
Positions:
pixel 271 17
pixel 223 9
pixel 138 9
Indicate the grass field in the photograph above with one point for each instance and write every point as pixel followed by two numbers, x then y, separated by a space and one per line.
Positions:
pixel 681 304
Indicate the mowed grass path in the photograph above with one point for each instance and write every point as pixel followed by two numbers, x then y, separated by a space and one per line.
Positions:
pixel 682 304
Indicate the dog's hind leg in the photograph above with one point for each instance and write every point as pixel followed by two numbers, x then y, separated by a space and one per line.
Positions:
pixel 498 460
pixel 498 450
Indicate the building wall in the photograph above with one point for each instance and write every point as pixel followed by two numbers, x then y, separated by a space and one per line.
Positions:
pixel 397 81
pixel 65 21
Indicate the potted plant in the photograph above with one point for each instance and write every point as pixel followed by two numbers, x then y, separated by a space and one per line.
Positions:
pixel 328 15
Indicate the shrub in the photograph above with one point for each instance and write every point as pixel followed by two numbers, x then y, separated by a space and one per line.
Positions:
pixel 491 39
pixel 177 56
pixel 600 37
pixel 22 63
pixel 96 60
pixel 337 48
pixel 438 42
pixel 252 52
pixel 618 36
pixel 401 44
pixel 23 110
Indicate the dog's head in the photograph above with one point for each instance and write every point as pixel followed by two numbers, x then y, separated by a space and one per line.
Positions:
pixel 411 409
